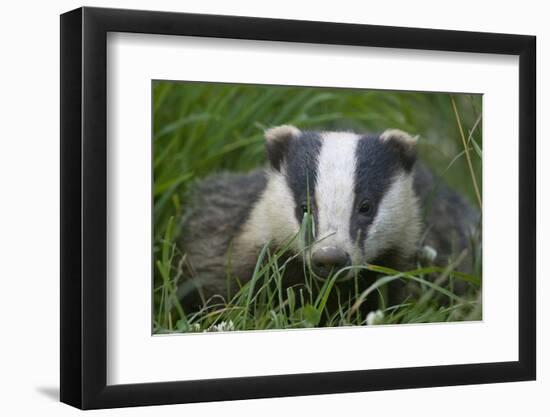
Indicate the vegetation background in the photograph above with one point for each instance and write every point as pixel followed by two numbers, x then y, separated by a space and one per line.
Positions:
pixel 201 128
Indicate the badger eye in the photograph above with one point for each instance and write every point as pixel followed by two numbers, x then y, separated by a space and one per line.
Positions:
pixel 303 207
pixel 365 207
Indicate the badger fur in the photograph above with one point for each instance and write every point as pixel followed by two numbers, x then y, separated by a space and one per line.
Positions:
pixel 370 201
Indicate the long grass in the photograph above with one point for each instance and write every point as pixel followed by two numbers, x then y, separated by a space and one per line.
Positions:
pixel 204 128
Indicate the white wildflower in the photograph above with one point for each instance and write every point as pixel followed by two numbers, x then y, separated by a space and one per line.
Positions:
pixel 428 254
pixel 224 326
pixel 375 317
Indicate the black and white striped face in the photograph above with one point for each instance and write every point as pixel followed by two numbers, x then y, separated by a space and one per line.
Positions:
pixel 360 193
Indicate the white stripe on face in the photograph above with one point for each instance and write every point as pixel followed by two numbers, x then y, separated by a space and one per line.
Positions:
pixel 397 222
pixel 272 218
pixel 335 190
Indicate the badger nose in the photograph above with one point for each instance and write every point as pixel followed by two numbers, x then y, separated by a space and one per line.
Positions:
pixel 328 259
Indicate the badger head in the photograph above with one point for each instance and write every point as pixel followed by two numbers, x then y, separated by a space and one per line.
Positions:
pixel 358 189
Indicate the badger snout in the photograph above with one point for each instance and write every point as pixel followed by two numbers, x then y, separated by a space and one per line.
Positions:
pixel 329 259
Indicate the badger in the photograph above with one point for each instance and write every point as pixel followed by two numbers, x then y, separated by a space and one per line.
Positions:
pixel 370 202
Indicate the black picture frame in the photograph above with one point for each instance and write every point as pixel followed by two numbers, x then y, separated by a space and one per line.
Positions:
pixel 84 207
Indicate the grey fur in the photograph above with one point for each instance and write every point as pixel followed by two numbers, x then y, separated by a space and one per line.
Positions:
pixel 219 205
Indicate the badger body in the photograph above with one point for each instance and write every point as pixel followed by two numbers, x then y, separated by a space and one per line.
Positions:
pixel 370 202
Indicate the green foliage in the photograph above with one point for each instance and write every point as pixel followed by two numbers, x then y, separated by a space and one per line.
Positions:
pixel 201 128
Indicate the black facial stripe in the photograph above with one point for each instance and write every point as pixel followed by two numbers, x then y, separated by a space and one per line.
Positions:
pixel 301 169
pixel 377 164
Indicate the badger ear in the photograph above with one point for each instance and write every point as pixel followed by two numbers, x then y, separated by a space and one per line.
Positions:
pixel 277 141
pixel 403 143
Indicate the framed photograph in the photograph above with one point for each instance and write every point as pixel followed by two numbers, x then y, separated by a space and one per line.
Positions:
pixel 258 208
